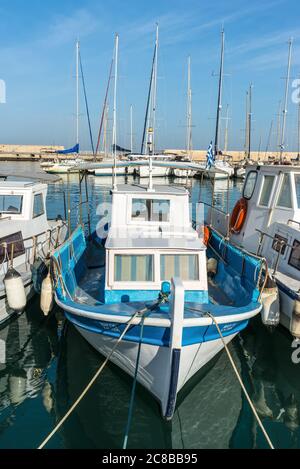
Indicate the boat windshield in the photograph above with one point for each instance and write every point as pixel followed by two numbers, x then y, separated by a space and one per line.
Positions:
pixel 11 203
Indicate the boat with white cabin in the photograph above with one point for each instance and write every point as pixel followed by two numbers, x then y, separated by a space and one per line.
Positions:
pixel 155 295
pixel 266 221
pixel 27 238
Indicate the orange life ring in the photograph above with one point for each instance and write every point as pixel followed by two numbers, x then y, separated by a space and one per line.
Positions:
pixel 206 235
pixel 238 216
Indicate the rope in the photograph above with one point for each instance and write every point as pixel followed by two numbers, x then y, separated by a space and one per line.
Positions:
pixel 99 371
pixel 130 411
pixel 240 380
pixel 86 105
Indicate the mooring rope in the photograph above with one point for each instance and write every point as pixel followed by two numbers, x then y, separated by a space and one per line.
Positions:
pixel 239 379
pixel 130 411
pixel 99 371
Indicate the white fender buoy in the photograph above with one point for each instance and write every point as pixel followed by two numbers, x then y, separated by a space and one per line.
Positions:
pixel 295 320
pixel 15 291
pixel 17 389
pixel 270 313
pixel 46 302
pixel 212 266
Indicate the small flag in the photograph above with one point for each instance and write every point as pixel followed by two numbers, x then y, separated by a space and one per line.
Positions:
pixel 209 157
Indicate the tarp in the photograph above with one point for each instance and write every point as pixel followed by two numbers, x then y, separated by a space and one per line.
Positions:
pixel 120 149
pixel 75 149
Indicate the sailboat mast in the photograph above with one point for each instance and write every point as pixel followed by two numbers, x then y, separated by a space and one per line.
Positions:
pixel 131 130
pixel 226 130
pixel 298 156
pixel 154 91
pixel 77 92
pixel 114 136
pixel 269 139
pixel 246 125
pixel 250 121
pixel 219 108
pixel 282 143
pixel 189 112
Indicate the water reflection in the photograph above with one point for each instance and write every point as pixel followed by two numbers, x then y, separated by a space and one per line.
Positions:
pixel 201 420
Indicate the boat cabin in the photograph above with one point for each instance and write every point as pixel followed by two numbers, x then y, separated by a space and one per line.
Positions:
pixel 151 240
pixel 22 215
pixel 272 223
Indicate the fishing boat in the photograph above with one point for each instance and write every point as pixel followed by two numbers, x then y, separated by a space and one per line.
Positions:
pixel 27 237
pixel 266 221
pixel 164 299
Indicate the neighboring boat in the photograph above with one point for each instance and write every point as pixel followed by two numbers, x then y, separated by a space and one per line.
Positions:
pixel 219 170
pixel 269 225
pixel 155 289
pixel 26 239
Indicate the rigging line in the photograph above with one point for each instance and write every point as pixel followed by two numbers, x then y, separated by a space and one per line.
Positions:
pixel 238 377
pixel 104 107
pixel 130 411
pixel 148 104
pixel 86 104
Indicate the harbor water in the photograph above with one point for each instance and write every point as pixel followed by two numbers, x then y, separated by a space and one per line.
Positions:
pixel 45 364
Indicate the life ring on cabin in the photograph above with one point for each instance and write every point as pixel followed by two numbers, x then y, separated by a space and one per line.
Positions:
pixel 238 216
pixel 206 235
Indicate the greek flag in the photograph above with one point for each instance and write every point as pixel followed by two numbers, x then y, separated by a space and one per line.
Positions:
pixel 209 157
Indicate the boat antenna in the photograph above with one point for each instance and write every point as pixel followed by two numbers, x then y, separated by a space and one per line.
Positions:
pixel 219 107
pixel 285 110
pixel 114 135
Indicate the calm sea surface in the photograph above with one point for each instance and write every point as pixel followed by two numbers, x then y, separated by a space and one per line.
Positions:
pixel 45 364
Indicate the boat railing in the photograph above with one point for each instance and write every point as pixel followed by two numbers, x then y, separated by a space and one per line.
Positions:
pixel 279 246
pixel 53 242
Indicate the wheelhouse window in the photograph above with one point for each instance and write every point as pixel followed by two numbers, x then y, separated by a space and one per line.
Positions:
pixel 285 196
pixel 279 244
pixel 294 259
pixel 150 210
pixel 38 205
pixel 250 184
pixel 134 268
pixel 11 204
pixel 7 243
pixel 184 266
pixel 266 192
pixel 297 185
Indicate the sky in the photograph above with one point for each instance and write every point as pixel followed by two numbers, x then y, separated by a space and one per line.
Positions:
pixel 37 63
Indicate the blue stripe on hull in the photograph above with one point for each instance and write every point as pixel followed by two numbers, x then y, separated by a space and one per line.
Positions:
pixel 290 293
pixel 158 336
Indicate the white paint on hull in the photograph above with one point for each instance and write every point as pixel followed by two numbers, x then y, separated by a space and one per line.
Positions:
pixel 155 361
